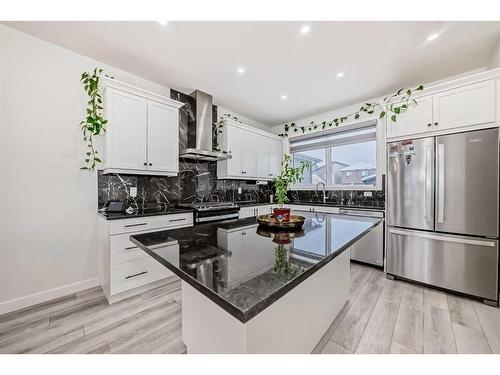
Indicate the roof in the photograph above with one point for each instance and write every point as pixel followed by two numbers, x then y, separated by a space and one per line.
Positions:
pixel 360 165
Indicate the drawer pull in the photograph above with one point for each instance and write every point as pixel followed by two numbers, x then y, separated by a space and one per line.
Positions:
pixel 134 225
pixel 131 248
pixel 135 275
pixel 181 219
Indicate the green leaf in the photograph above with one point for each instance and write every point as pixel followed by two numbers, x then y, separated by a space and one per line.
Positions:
pixel 419 88
pixel 382 114
pixel 393 118
pixel 356 116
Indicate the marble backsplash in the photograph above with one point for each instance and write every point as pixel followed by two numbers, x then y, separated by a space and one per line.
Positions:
pixel 196 182
pixel 343 197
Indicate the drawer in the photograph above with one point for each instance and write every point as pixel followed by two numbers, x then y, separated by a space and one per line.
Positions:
pixel 122 250
pixel 151 222
pixel 139 272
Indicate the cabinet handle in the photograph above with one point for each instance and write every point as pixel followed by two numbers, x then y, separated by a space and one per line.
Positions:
pixel 135 275
pixel 145 163
pixel 181 219
pixel 429 124
pixel 243 233
pixel 134 225
pixel 150 164
pixel 131 248
pixel 436 124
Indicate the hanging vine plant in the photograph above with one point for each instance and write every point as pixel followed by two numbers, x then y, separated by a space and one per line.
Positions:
pixel 94 123
pixel 392 105
pixel 217 129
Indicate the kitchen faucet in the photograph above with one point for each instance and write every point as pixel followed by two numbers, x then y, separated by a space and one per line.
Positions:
pixel 324 194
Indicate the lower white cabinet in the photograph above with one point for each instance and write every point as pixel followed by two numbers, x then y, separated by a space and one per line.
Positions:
pixel 126 269
pixel 253 211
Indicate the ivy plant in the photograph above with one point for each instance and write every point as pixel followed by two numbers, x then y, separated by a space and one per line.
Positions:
pixel 94 123
pixel 289 175
pixel 217 129
pixel 392 105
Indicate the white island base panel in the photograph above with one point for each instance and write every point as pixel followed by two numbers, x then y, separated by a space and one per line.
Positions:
pixel 293 324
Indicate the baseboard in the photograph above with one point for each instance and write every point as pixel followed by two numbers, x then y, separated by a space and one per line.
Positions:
pixel 47 295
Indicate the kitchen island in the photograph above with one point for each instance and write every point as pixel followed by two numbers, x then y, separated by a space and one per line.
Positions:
pixel 246 289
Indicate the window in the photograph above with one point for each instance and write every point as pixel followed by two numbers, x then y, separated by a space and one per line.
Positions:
pixel 345 158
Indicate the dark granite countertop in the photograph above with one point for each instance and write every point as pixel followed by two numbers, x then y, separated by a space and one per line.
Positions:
pixel 144 212
pixel 244 268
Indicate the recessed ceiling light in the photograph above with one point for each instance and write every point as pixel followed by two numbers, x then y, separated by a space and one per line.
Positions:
pixel 340 74
pixel 432 37
pixel 305 29
pixel 241 70
pixel 284 97
pixel 163 23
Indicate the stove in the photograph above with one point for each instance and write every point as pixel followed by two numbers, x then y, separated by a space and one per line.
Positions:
pixel 213 211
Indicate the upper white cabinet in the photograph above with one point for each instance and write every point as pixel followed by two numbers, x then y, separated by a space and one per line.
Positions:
pixel 142 134
pixel 255 154
pixel 126 133
pixel 469 105
pixel 163 125
pixel 416 120
pixel 448 111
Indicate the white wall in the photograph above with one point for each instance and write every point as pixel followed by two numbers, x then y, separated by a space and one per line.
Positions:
pixel 495 57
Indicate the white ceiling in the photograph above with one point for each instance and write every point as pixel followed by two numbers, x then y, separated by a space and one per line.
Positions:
pixel 376 57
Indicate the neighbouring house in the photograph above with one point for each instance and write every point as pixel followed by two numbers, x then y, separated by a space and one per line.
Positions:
pixel 359 173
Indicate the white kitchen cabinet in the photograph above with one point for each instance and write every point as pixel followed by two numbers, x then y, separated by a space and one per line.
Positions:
pixel 453 110
pixel 163 133
pixel 275 157
pixel 126 132
pixel 416 120
pixel 126 269
pixel 142 134
pixel 251 151
pixel 255 210
pixel 465 106
pixel 255 154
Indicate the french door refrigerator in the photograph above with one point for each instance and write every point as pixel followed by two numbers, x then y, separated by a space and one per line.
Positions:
pixel 443 208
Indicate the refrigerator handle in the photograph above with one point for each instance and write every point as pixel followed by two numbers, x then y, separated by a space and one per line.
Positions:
pixel 440 183
pixel 444 238
pixel 428 186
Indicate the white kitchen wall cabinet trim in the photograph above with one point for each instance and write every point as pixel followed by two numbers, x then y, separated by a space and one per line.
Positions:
pixel 455 109
pixel 255 154
pixel 142 134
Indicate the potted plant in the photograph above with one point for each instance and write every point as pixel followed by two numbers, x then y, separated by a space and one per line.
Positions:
pixel 289 175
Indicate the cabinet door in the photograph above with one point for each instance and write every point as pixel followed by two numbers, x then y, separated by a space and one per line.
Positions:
pixel 275 158
pixel 126 131
pixel 235 139
pixel 251 150
pixel 416 120
pixel 246 212
pixel 163 138
pixel 465 106
pixel 264 148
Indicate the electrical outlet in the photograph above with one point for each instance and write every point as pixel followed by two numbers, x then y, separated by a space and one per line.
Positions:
pixel 133 191
pixel 367 194
pixel 239 190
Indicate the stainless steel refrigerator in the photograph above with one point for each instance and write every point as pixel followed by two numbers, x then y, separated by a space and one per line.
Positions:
pixel 443 212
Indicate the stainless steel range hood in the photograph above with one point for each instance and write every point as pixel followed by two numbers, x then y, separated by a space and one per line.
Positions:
pixel 200 146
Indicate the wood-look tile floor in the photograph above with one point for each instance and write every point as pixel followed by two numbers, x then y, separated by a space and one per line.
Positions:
pixel 382 316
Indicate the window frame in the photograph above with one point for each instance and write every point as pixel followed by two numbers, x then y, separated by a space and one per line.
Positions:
pixel 380 153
